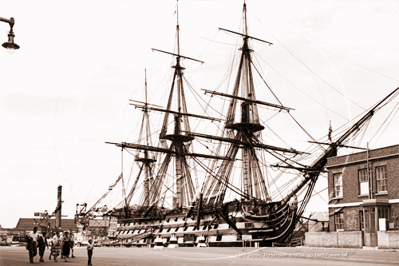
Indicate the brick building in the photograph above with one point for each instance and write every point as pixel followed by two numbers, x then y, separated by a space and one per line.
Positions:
pixel 364 202
pixel 27 224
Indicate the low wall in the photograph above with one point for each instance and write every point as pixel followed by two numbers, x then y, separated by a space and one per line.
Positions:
pixel 388 239
pixel 351 239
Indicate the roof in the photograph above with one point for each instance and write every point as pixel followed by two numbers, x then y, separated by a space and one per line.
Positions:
pixel 361 157
pixel 29 223
pixel 320 216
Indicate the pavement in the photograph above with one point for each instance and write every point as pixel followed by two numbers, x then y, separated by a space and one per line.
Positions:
pixel 220 256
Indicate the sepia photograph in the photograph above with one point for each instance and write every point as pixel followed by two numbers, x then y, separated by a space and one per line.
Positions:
pixel 194 132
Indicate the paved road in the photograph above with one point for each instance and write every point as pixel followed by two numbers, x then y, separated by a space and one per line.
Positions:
pixel 10 256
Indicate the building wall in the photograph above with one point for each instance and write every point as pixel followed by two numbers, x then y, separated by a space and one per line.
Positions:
pixel 388 239
pixel 351 201
pixel 334 239
pixel 351 218
pixel 349 166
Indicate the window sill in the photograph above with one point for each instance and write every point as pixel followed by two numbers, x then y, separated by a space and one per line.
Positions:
pixel 381 193
pixel 340 197
pixel 363 195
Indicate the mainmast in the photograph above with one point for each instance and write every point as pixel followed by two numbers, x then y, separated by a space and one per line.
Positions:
pixel 175 140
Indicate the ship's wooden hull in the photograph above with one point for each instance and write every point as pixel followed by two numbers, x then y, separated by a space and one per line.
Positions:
pixel 234 224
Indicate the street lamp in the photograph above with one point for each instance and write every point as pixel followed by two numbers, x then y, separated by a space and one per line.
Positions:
pixel 10 45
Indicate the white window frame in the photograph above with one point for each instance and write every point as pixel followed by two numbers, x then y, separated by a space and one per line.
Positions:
pixel 381 177
pixel 363 181
pixel 338 185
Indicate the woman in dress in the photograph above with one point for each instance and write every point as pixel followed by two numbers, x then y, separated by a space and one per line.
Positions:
pixel 55 247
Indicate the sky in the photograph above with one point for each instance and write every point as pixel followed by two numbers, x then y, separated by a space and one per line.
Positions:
pixel 66 91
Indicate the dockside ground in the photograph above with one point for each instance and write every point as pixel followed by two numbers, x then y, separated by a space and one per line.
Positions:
pixel 104 256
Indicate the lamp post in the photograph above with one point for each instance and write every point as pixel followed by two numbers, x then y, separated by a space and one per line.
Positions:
pixel 10 45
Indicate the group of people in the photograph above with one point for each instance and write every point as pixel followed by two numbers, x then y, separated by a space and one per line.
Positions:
pixel 60 244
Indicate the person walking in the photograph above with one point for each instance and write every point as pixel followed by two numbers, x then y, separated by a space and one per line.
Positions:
pixel 32 244
pixel 42 244
pixel 90 248
pixel 65 246
pixel 55 247
pixel 72 243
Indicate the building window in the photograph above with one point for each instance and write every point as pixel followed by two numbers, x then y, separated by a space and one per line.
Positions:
pixel 337 185
pixel 383 212
pixel 380 174
pixel 339 220
pixel 363 182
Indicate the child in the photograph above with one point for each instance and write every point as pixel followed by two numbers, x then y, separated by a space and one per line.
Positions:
pixel 90 251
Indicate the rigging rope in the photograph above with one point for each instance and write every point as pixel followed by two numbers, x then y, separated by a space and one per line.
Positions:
pixel 296 57
pixel 392 112
pixel 226 183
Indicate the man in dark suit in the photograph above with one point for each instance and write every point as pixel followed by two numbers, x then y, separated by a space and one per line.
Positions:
pixel 42 244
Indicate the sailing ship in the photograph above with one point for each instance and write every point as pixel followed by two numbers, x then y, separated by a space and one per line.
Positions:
pixel 209 211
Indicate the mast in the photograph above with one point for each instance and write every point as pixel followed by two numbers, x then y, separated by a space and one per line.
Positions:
pixel 179 140
pixel 175 144
pixel 243 134
pixel 146 161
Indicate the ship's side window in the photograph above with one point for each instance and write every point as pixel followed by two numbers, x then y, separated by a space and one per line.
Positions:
pixel 339 220
pixel 380 174
pixel 218 238
pixel 337 178
pixel 363 182
pixel 248 225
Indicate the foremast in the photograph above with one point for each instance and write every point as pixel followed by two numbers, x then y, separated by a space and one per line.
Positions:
pixel 242 135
